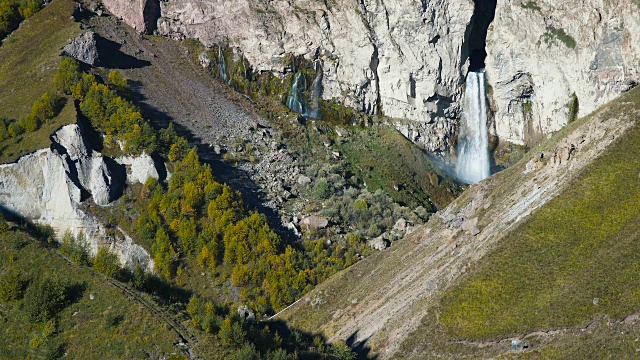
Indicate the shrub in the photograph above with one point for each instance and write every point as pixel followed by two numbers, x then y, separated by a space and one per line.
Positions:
pixel 67 75
pixel 231 333
pixel 119 83
pixel 75 248
pixel 106 263
pixel 321 189
pixel 44 298
pixel 247 352
pixel 11 286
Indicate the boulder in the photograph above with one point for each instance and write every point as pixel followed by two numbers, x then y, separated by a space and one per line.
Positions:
pixel 400 225
pixel 314 222
pixel 471 226
pixel 379 243
pixel 83 48
pixel 140 168
pixel 304 180
pixel 246 314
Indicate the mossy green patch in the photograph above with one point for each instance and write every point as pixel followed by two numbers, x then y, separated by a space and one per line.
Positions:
pixel 386 160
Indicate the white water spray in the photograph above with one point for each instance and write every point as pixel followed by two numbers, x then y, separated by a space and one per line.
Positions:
pixel 473 142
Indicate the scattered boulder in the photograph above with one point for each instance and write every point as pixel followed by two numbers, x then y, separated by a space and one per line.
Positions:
pixel 400 225
pixel 471 226
pixel 379 243
pixel 246 314
pixel 83 48
pixel 304 180
pixel 314 222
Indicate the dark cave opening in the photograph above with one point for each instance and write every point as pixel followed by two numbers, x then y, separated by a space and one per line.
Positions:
pixel 483 15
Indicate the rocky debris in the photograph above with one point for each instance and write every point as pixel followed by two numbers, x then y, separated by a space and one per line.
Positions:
pixel 140 168
pixel 539 58
pixel 379 243
pixel 471 226
pixel 83 48
pixel 314 222
pixel 246 314
pixel 49 186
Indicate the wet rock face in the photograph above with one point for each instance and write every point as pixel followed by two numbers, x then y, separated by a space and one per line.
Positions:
pixel 49 186
pixel 542 52
pixel 83 48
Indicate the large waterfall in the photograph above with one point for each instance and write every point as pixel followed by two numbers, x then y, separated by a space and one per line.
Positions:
pixel 473 142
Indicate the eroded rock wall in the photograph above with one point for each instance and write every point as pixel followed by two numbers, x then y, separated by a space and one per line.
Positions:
pixel 542 52
pixel 49 186
pixel 405 58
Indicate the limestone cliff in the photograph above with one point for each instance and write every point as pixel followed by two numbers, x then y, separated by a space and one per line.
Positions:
pixel 542 52
pixel 49 186
pixel 408 59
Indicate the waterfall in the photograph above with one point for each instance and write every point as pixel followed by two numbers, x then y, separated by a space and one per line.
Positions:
pixel 313 110
pixel 222 65
pixel 473 141
pixel 295 100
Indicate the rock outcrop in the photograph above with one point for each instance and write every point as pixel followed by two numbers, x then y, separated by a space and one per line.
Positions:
pixel 49 186
pixel 141 15
pixel 83 48
pixel 543 52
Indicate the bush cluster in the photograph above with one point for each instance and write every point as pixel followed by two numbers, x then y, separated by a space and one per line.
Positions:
pixel 12 12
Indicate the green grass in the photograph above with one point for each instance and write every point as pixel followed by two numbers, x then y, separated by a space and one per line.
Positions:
pixel 29 57
pixel 584 244
pixel 82 326
pixel 385 159
pixel 12 149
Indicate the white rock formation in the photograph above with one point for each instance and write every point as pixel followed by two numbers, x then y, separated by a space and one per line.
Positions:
pixel 139 168
pixel 48 187
pixel 529 63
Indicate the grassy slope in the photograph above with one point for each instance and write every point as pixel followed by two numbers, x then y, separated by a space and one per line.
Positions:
pixel 582 245
pixel 545 274
pixel 82 326
pixel 29 58
pixel 384 158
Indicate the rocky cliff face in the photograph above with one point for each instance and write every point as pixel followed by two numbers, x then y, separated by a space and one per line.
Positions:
pixel 542 52
pixel 49 186
pixel 405 58
pixel 141 15
pixel 408 59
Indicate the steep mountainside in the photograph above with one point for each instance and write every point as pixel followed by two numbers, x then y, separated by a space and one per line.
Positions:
pixel 408 59
pixel 477 255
